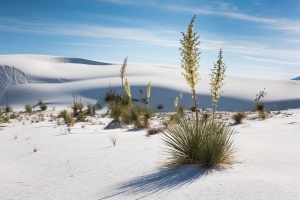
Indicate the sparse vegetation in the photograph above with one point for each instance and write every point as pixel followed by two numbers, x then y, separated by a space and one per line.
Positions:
pixel 209 145
pixel 8 109
pixel 28 109
pixel 113 139
pixel 148 113
pixel 160 106
pixel 239 117
pixel 153 131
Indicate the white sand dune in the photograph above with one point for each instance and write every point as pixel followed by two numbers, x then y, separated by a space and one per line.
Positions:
pixel 55 79
pixel 83 164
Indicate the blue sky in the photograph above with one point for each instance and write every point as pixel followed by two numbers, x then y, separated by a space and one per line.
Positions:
pixel 259 38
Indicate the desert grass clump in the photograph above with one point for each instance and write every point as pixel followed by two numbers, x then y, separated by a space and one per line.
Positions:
pixel 205 116
pixel 260 107
pixel 154 131
pixel 239 117
pixel 28 109
pixel 133 115
pixel 148 113
pixel 43 107
pixel 81 117
pixel 8 109
pixel 210 144
pixel 113 139
pixel 160 106
pixel 91 108
pixel 68 117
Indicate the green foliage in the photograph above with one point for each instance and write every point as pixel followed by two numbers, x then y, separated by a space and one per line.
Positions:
pixel 81 117
pixel 208 144
pixel 190 56
pixel 28 109
pixel 8 109
pixel 43 107
pixel 153 131
pixel 133 114
pixel 238 117
pixel 148 113
pixel 77 106
pixel 68 117
pixel 205 116
pixel 160 106
pixel 180 111
pixel 117 110
pixel 259 107
pixel 13 116
pixel 91 108
pixel 217 78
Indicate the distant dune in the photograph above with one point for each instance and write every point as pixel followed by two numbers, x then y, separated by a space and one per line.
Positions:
pixel 297 78
pixel 25 79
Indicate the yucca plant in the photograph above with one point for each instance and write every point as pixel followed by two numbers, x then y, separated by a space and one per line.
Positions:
pixel 238 117
pixel 43 107
pixel 217 78
pixel 148 93
pixel 91 109
pixel 117 111
pixel 122 72
pixel 190 64
pixel 8 109
pixel 208 144
pixel 28 109
pixel 148 113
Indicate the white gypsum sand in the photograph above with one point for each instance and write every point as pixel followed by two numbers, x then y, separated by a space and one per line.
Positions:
pixel 40 159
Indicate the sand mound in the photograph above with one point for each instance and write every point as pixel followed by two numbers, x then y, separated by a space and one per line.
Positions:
pixel 76 61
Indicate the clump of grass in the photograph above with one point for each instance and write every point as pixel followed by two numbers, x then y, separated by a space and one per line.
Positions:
pixel 210 144
pixel 113 139
pixel 28 109
pixel 8 109
pixel 148 113
pixel 133 115
pixel 180 110
pixel 153 131
pixel 68 117
pixel 160 106
pixel 205 116
pixel 81 117
pixel 42 105
pixel 238 117
pixel 260 107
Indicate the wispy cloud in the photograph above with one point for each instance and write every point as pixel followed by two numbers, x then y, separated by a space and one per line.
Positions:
pixel 154 37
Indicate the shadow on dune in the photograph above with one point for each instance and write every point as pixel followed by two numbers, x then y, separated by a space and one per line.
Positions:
pixel 78 61
pixel 165 179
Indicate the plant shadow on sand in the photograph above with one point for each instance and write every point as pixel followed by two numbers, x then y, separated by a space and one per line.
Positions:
pixel 164 179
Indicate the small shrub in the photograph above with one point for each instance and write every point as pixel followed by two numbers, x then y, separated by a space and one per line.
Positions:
pixel 8 109
pixel 43 107
pixel 113 139
pixel 148 113
pixel 28 109
pixel 262 115
pixel 259 107
pixel 205 116
pixel 13 116
pixel 180 110
pixel 68 117
pixel 238 117
pixel 160 106
pixel 153 131
pixel 6 119
pixel 40 102
pixel 133 114
pixel 81 117
pixel 112 95
pixel 193 108
pixel 208 144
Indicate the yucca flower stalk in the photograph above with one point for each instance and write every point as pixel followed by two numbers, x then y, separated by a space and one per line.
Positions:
pixel 217 78
pixel 176 102
pixel 122 71
pixel 127 88
pixel 190 56
pixel 180 94
pixel 148 93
